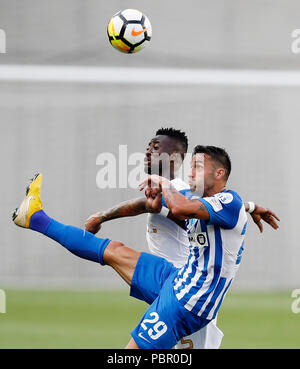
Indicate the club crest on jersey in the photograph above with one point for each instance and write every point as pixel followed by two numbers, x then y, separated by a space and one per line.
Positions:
pixel 224 197
pixel 198 239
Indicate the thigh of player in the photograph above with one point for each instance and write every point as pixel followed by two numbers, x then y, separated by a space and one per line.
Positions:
pixel 166 321
pixel 150 274
pixel 122 259
pixel 145 273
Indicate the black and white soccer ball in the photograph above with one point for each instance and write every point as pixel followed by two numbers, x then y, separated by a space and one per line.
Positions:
pixel 129 30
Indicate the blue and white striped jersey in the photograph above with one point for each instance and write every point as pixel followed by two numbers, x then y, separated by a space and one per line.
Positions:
pixel 215 253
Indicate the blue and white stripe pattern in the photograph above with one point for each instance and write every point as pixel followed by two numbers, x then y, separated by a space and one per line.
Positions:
pixel 215 253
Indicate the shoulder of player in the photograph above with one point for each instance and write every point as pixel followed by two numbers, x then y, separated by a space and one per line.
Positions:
pixel 224 197
pixel 228 197
pixel 225 208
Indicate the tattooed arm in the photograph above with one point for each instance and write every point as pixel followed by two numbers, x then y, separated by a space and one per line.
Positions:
pixel 179 206
pixel 182 207
pixel 125 209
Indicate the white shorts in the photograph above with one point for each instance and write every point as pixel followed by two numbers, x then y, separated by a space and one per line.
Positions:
pixel 209 337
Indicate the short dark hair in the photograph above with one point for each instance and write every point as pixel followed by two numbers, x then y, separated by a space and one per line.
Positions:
pixel 217 154
pixel 174 133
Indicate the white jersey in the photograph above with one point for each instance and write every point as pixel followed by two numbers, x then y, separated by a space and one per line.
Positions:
pixel 168 240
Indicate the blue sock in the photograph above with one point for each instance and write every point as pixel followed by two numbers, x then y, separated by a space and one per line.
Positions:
pixel 78 241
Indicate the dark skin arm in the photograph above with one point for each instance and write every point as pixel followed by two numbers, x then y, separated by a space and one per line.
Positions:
pixel 181 207
pixel 125 209
pixel 129 208
pixel 142 205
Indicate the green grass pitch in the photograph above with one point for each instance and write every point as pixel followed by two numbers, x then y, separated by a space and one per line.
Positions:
pixel 103 319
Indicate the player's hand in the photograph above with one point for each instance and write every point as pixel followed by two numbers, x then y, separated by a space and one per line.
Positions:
pixel 266 215
pixel 153 196
pixel 93 223
pixel 154 181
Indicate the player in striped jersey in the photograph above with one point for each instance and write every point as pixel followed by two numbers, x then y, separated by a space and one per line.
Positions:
pixel 205 277
pixel 216 233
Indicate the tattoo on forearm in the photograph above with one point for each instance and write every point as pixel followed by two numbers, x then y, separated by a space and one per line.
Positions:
pixel 194 215
pixel 171 196
pixel 128 208
pixel 202 207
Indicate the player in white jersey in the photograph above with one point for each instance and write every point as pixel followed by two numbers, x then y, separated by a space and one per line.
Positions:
pixel 165 237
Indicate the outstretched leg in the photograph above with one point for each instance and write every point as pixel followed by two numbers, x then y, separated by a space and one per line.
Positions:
pixel 122 259
pixel 84 244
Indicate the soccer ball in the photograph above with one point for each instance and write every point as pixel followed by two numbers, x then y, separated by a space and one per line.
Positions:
pixel 128 31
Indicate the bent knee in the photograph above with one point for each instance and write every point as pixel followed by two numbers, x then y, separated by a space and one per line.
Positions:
pixel 112 251
pixel 122 259
pixel 117 254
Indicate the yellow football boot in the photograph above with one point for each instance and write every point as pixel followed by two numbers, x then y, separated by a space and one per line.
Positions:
pixel 31 204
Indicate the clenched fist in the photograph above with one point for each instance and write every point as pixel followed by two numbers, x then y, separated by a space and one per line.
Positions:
pixel 93 223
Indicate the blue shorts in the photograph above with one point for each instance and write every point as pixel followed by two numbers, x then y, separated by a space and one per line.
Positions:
pixel 166 321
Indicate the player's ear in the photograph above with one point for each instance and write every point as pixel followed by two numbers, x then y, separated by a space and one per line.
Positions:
pixel 220 173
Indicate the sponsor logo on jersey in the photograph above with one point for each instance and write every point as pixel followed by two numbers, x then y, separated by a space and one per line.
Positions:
pixel 224 197
pixel 198 238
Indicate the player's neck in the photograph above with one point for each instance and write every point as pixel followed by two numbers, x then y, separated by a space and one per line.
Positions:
pixel 217 188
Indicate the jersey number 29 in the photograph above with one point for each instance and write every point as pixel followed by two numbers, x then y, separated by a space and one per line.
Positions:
pixel 158 329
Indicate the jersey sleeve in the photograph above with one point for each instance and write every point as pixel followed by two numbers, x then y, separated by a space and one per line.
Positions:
pixel 223 208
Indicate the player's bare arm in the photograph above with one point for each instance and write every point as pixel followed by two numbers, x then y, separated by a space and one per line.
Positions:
pixel 183 208
pixel 128 208
pixel 180 206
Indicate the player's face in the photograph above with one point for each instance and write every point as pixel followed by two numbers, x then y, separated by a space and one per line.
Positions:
pixel 161 152
pixel 202 174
